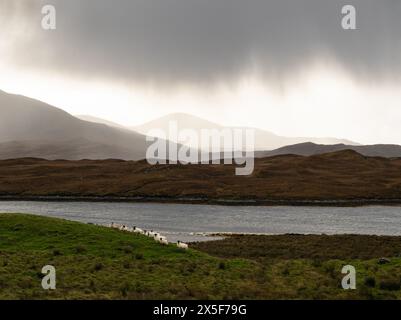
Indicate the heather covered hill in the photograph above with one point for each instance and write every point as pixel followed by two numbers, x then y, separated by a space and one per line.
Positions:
pixel 343 175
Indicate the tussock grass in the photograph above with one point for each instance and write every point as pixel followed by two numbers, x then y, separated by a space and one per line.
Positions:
pixel 94 262
pixel 342 175
pixel 297 246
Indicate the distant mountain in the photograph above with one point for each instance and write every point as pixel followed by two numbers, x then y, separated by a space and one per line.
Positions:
pixel 264 140
pixel 90 118
pixel 32 128
pixel 184 121
pixel 308 149
pixel 67 150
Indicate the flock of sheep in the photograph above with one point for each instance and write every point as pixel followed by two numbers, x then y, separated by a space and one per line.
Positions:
pixel 152 234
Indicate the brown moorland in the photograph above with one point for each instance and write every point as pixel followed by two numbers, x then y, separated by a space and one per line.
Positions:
pixel 299 246
pixel 344 175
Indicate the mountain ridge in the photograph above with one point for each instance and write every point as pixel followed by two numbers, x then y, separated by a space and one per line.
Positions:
pixel 264 140
pixel 310 149
pixel 31 128
pixel 35 124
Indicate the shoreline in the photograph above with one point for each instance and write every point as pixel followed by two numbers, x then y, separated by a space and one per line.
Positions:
pixel 205 201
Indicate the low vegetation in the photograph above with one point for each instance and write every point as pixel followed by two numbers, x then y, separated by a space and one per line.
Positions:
pixel 343 175
pixel 94 262
pixel 297 246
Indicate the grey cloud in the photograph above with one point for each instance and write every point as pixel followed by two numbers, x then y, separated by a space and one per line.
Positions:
pixel 201 41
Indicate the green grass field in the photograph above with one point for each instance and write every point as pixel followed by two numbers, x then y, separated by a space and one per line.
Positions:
pixel 94 262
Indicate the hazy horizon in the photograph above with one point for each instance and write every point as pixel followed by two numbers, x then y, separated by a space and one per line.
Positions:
pixel 232 63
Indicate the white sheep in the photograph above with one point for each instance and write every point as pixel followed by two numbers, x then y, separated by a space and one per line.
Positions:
pixel 115 225
pixel 163 240
pixel 137 230
pixel 158 237
pixel 151 234
pixel 182 245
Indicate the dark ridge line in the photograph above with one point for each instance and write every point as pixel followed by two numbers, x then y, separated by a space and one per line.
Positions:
pixel 206 201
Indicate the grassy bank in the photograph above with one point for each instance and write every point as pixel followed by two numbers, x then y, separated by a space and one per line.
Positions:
pixel 98 262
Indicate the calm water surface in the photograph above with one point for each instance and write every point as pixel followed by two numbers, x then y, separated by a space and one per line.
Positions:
pixel 194 222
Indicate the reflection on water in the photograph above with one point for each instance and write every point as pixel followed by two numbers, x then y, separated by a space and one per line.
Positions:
pixel 194 222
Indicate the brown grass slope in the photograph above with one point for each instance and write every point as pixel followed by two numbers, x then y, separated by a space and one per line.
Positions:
pixel 333 176
pixel 297 246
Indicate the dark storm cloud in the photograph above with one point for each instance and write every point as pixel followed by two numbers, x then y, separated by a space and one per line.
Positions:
pixel 199 41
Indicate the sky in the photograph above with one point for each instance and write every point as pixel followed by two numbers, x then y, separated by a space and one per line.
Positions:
pixel 286 66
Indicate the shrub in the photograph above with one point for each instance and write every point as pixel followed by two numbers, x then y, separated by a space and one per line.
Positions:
pixel 285 272
pixel 139 256
pixel 98 266
pixel 26 283
pixel 127 249
pixel 18 227
pixel 80 249
pixel 390 285
pixel 317 263
pixel 124 289
pixel 191 267
pixel 370 282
